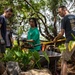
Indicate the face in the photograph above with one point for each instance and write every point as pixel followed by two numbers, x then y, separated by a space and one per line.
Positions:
pixel 61 12
pixel 31 22
pixel 9 14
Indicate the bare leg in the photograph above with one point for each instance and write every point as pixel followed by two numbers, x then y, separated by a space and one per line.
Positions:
pixel 64 68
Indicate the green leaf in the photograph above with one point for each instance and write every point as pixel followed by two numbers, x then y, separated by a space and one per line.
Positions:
pixel 36 55
pixel 46 56
pixel 73 36
pixel 18 53
pixel 62 47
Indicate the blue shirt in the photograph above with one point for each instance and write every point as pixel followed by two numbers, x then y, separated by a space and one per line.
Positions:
pixel 3 27
pixel 68 24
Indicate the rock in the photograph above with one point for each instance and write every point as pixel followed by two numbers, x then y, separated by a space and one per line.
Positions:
pixel 37 72
pixel 5 73
pixel 2 68
pixel 13 68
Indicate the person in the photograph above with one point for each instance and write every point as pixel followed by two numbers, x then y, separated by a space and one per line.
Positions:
pixel 67 27
pixel 7 14
pixel 33 34
pixel 9 39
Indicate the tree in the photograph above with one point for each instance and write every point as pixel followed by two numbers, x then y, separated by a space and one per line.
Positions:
pixel 44 10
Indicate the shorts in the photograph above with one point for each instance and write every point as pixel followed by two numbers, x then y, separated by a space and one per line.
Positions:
pixel 66 55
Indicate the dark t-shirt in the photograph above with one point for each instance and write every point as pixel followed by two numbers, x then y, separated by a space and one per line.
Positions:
pixel 68 24
pixel 8 38
pixel 3 27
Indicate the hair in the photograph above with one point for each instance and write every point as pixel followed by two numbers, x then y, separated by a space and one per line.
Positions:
pixel 8 9
pixel 63 7
pixel 35 21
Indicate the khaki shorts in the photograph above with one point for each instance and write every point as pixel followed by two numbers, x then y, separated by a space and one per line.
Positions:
pixel 66 55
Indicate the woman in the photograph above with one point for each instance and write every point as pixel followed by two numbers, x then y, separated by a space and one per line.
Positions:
pixel 33 34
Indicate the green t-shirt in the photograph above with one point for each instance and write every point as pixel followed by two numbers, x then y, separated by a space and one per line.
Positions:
pixel 33 34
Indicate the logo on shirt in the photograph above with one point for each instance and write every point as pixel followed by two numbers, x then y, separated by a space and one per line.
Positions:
pixel 72 22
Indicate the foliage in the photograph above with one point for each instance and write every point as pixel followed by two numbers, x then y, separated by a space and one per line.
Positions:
pixel 73 36
pixel 62 47
pixel 71 45
pixel 25 58
pixel 44 10
pixel 46 56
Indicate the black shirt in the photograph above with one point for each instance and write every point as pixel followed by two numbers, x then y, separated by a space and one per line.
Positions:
pixel 8 38
pixel 68 24
pixel 3 27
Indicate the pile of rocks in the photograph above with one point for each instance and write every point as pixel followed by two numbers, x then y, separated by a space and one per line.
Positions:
pixel 12 68
pixel 2 69
pixel 37 72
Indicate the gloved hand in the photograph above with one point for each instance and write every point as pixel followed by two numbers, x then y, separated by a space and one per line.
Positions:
pixel 24 40
pixel 2 41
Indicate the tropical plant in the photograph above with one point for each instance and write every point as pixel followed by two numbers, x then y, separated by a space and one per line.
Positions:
pixel 71 45
pixel 26 59
pixel 62 47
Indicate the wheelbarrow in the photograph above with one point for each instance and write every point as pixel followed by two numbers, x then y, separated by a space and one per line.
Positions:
pixel 53 57
pixel 52 54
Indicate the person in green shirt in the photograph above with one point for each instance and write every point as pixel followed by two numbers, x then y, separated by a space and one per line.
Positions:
pixel 33 35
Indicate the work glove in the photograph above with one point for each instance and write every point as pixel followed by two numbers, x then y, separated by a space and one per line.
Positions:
pixel 2 41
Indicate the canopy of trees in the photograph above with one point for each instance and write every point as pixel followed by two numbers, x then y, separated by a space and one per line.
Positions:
pixel 44 10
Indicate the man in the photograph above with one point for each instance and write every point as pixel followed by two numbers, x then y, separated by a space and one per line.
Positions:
pixel 67 27
pixel 33 35
pixel 9 39
pixel 7 14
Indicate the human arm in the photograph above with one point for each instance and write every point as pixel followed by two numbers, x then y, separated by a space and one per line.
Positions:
pixel 63 27
pixel 0 31
pixel 1 38
pixel 60 34
pixel 31 40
